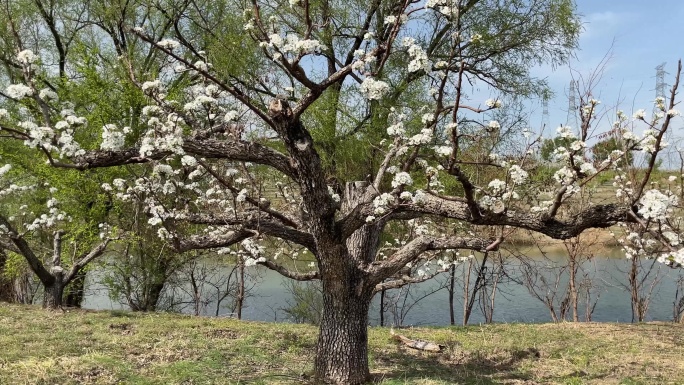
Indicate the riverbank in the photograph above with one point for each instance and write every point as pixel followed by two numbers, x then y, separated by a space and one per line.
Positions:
pixel 113 347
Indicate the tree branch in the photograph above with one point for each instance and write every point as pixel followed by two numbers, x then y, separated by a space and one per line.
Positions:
pixel 257 225
pixel 380 270
pixel 24 249
pixel 209 148
pixel 86 259
pixel 598 216
pixel 289 273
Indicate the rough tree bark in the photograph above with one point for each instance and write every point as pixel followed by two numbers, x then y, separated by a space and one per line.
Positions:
pixel 341 351
pixel 52 297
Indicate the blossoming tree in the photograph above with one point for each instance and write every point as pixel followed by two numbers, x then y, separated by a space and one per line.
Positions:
pixel 26 233
pixel 313 126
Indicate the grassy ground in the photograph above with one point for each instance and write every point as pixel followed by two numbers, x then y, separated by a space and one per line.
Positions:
pixel 87 347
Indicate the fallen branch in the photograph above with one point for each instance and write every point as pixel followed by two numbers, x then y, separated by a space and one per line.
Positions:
pixel 417 344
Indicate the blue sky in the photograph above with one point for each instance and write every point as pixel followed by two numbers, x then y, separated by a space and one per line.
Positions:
pixel 634 36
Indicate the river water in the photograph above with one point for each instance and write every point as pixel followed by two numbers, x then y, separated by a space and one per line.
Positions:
pixel 513 302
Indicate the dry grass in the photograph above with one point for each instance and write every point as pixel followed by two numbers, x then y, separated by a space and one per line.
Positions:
pixel 87 347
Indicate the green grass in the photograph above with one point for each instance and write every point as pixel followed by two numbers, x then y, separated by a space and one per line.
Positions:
pixel 88 347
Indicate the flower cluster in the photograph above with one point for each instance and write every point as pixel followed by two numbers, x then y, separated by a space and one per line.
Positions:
pixel 112 139
pixel 18 91
pixel 27 57
pixel 293 44
pixel 374 89
pixel 419 58
pixel 493 103
pixel 168 44
pixel 402 179
pixel 656 205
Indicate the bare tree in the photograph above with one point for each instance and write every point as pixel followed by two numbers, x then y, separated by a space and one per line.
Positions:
pixel 563 280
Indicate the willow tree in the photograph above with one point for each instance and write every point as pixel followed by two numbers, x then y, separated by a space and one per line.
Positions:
pixel 312 126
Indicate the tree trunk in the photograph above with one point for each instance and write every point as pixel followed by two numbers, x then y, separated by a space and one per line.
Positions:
pixel 452 279
pixel 342 349
pixel 150 298
pixel 573 288
pixel 634 285
pixel 53 295
pixel 466 293
pixel 240 297
pixel 6 286
pixel 382 307
pixel 22 289
pixel 75 291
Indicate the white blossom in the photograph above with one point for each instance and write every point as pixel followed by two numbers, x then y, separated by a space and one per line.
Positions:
pixel 201 66
pixel 230 116
pixel 48 94
pixel 152 86
pixel 396 129
pixel 518 175
pixel 390 19
pixel 443 150
pixel 111 138
pixel 168 44
pixel 497 186
pixel 4 169
pixel 26 57
pixel 493 103
pixel 494 125
pixel 18 91
pixel 401 179
pixel 656 205
pixel 565 132
pixel 187 160
pixel 374 89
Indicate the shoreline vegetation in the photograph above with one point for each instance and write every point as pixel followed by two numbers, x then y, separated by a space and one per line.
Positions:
pixel 599 238
pixel 119 347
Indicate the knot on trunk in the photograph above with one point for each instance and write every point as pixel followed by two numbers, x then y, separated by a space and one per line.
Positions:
pixel 290 128
pixel 279 109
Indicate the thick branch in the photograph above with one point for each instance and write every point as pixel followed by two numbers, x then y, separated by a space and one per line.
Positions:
pixel 598 216
pixel 24 249
pixel 203 242
pixel 413 250
pixel 405 280
pixel 86 259
pixel 209 148
pixel 258 225
pixel 289 273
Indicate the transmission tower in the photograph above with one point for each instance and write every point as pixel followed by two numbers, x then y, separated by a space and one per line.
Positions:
pixel 572 106
pixel 545 112
pixel 660 82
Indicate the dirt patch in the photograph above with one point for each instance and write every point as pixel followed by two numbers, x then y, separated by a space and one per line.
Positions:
pixel 93 375
pixel 223 333
pixel 124 328
pixel 157 355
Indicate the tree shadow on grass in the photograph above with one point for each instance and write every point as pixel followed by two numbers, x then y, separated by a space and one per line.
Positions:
pixel 453 366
